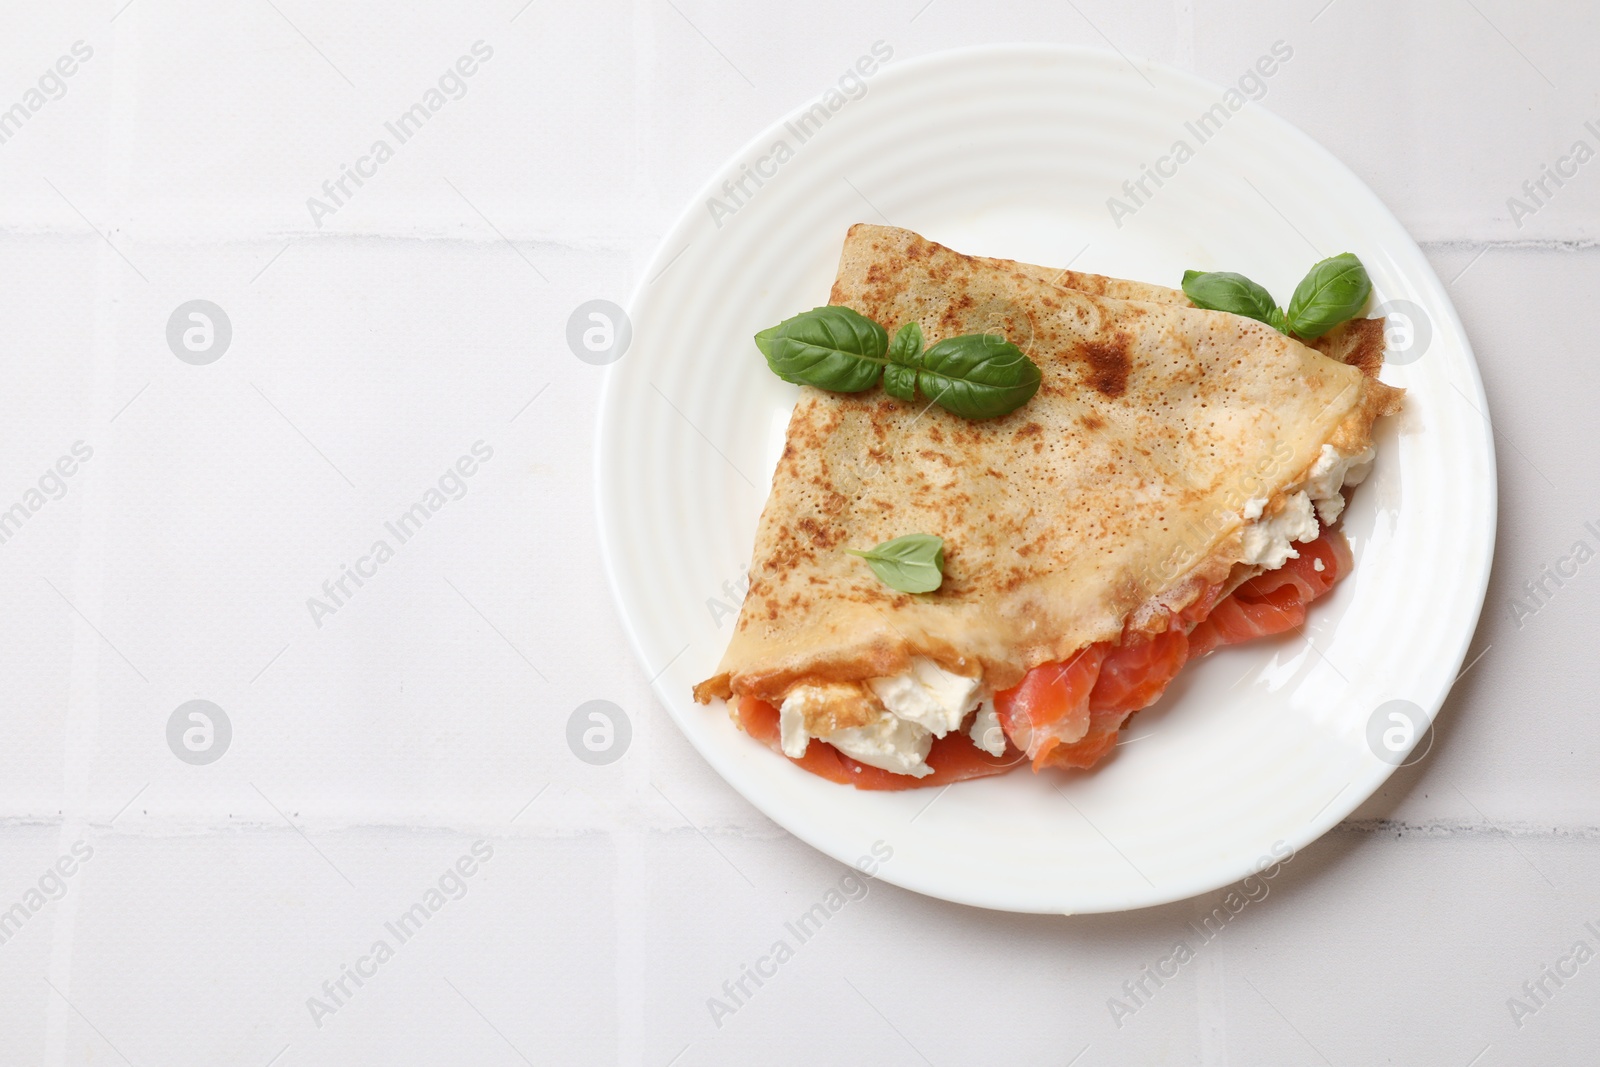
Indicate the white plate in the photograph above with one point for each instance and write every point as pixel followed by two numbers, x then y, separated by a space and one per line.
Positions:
pixel 1013 151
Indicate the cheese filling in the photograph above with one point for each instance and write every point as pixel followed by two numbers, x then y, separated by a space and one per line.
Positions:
pixel 1332 471
pixel 927 695
pixel 1269 541
pixel 920 704
pixel 986 732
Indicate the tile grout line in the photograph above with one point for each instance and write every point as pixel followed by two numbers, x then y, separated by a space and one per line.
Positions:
pixel 88 570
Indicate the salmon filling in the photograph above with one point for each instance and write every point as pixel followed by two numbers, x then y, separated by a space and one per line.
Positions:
pixel 1068 714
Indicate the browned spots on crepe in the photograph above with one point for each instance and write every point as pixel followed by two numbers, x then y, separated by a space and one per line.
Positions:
pixel 1108 362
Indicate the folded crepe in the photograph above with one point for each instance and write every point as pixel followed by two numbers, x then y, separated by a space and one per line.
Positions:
pixel 1170 456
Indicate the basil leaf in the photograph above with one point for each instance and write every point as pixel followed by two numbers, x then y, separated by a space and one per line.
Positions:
pixel 1226 291
pixel 905 352
pixel 829 347
pixel 906 347
pixel 1333 290
pixel 911 564
pixel 900 382
pixel 977 376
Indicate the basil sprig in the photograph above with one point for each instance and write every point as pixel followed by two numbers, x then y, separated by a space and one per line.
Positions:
pixel 1334 290
pixel 976 376
pixel 911 564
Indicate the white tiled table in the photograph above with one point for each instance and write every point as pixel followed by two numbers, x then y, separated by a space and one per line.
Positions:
pixel 423 715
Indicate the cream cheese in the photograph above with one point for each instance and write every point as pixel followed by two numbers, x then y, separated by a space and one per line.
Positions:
pixel 919 704
pixel 986 732
pixel 1267 542
pixel 928 695
pixel 792 735
pixel 1332 471
pixel 888 742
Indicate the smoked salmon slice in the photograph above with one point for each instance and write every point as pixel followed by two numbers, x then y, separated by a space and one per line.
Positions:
pixel 1069 714
pixel 1244 618
pixel 1274 602
pixel 1131 676
pixel 1051 706
pixel 1134 673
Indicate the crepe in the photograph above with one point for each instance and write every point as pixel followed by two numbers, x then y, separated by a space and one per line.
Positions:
pixel 1109 502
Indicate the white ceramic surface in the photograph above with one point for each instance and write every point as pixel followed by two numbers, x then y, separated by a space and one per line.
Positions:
pixel 1014 151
